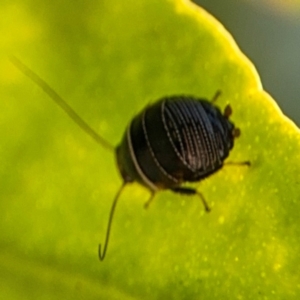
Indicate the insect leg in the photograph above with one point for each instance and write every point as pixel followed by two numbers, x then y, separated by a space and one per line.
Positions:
pixel 216 96
pixel 149 201
pixel 191 191
pixel 238 163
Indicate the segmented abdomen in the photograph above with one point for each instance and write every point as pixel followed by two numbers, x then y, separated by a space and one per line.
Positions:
pixel 196 133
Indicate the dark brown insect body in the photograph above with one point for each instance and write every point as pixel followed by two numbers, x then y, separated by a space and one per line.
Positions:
pixel 175 140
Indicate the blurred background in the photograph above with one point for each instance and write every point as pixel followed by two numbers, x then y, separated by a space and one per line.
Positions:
pixel 268 32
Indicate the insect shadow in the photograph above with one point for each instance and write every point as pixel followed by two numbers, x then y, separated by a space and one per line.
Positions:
pixel 175 140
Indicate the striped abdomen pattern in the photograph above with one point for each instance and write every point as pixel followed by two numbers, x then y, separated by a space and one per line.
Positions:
pixel 175 140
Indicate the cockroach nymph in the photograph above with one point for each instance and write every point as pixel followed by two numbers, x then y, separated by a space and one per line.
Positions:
pixel 175 140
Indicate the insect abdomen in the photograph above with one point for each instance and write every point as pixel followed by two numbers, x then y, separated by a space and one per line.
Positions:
pixel 176 139
pixel 200 135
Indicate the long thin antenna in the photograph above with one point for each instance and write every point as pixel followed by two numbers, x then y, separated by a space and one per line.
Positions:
pixel 61 103
pixel 111 215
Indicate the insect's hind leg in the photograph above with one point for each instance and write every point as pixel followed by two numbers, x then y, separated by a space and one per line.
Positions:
pixel 246 163
pixel 191 191
pixel 215 97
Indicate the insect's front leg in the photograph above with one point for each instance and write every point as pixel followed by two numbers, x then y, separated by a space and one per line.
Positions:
pixel 149 201
pixel 191 191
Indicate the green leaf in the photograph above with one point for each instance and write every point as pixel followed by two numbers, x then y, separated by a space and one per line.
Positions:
pixel 108 59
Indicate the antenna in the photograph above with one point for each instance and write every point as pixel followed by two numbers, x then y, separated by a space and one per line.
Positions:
pixel 61 103
pixel 111 215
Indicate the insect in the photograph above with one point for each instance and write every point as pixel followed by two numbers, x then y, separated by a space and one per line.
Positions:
pixel 177 139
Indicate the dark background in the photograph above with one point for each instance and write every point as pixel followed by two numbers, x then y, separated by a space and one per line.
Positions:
pixel 270 38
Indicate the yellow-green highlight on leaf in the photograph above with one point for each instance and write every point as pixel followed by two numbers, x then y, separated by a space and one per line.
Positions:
pixel 108 60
